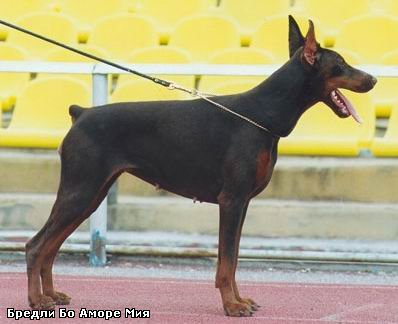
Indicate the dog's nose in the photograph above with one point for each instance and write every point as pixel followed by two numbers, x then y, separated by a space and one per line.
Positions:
pixel 373 80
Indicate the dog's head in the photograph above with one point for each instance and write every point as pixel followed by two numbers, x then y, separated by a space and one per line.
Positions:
pixel 329 69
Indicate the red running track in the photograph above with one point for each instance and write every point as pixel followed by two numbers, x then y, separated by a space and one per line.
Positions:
pixel 174 301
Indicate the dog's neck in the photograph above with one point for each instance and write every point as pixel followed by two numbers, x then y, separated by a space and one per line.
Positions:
pixel 279 101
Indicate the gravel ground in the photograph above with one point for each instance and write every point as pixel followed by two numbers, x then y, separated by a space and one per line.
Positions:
pixel 204 269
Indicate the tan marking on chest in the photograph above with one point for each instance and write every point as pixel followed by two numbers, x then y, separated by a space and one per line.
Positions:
pixel 262 168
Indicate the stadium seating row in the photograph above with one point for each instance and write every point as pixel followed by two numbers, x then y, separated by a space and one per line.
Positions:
pixel 318 132
pixel 384 95
pixel 270 35
pixel 168 12
pixel 203 34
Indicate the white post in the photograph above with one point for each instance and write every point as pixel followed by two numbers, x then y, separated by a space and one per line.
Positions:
pixel 98 219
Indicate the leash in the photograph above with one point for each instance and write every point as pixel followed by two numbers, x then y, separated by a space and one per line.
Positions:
pixel 222 107
pixel 164 83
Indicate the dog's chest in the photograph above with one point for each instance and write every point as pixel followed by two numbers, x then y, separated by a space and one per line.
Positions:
pixel 264 167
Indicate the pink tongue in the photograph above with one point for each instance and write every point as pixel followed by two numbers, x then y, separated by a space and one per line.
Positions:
pixel 350 107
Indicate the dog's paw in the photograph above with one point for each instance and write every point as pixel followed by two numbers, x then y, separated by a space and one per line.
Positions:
pixel 254 306
pixel 44 302
pixel 237 309
pixel 61 298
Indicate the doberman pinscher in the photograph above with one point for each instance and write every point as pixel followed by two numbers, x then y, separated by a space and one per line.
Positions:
pixel 193 149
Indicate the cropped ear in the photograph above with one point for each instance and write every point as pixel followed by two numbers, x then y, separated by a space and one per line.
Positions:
pixel 310 45
pixel 296 39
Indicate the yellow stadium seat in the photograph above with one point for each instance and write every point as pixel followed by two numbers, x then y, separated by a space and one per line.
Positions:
pixel 11 83
pixel 233 87
pixel 390 58
pixel 161 55
pixel 385 96
pixel 121 34
pixel 370 36
pixel 320 132
pixel 144 90
pixel 167 13
pixel 235 56
pixel 202 35
pixel 87 12
pixel 332 13
pixel 41 118
pixel 389 7
pixel 385 92
pixel 242 56
pixel 252 13
pixel 63 55
pixel 272 34
pixel 52 25
pixel 387 146
pixel 13 10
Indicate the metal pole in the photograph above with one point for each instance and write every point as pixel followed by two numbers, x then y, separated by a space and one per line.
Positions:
pixel 98 219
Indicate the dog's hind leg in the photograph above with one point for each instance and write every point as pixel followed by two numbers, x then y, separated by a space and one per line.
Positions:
pixel 56 242
pixel 84 183
pixel 231 217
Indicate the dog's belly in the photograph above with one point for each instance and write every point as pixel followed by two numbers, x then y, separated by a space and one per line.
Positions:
pixel 183 184
pixel 186 170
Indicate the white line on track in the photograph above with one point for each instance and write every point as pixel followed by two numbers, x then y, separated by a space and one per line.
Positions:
pixel 338 315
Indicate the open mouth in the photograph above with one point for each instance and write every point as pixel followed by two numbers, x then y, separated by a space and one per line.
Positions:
pixel 344 106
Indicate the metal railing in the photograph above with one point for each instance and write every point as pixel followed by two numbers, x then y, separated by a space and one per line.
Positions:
pixel 100 88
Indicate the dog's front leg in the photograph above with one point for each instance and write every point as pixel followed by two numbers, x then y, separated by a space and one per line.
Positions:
pixel 231 217
pixel 254 306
